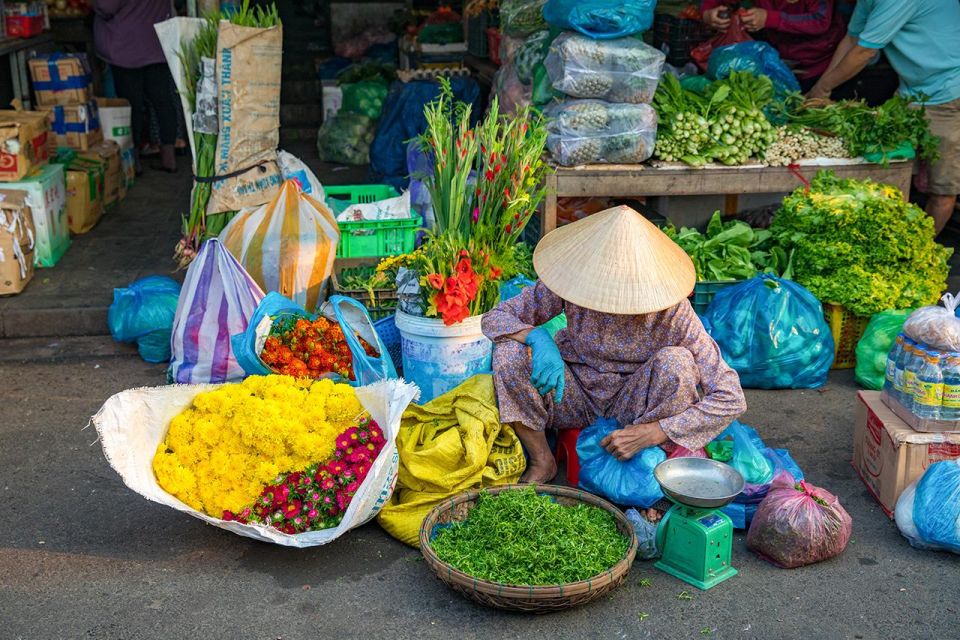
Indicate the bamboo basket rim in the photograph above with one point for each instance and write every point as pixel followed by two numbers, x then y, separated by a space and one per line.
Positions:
pixel 450 574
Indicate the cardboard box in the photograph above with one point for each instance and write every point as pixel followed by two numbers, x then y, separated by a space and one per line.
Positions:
pixel 84 194
pixel 108 152
pixel 889 455
pixel 23 143
pixel 76 126
pixel 115 120
pixel 16 242
pixel 61 78
pixel 46 193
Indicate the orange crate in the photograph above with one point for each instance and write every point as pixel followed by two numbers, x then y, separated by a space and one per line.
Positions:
pixel 847 329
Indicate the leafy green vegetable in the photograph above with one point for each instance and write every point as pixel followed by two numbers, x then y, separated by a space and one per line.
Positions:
pixel 859 244
pixel 867 130
pixel 518 537
pixel 730 250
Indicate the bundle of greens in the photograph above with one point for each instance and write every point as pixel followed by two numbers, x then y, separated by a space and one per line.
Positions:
pixel 860 245
pixel 200 225
pixel 866 130
pixel 520 538
pixel 724 123
pixel 730 250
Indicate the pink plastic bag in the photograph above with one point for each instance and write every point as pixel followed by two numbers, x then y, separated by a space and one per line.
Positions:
pixel 798 524
pixel 683 452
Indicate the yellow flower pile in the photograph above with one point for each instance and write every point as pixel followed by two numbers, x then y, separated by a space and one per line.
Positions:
pixel 220 453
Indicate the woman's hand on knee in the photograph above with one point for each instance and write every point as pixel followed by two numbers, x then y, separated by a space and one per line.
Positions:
pixel 625 443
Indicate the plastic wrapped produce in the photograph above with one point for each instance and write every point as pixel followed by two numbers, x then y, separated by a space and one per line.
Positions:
pixel 143 313
pixel 530 53
pixel 621 70
pixel 798 524
pixel 936 326
pixel 928 511
pixel 591 131
pixel 600 19
pixel 874 346
pixel 511 93
pixel 346 138
pixel 759 58
pixel 773 332
pixel 630 482
pixel 521 17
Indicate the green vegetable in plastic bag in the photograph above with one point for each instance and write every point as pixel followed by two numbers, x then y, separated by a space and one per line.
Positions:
pixel 874 346
pixel 521 17
pixel 531 53
pixel 364 98
pixel 346 138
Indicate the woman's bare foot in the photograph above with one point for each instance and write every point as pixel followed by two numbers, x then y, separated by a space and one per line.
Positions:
pixel 540 471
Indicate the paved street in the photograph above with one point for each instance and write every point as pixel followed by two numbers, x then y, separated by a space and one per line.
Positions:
pixel 82 556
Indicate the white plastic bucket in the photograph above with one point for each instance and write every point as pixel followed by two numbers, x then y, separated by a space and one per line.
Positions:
pixel 438 358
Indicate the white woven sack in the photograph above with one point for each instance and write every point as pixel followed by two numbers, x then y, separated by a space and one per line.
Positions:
pixel 132 423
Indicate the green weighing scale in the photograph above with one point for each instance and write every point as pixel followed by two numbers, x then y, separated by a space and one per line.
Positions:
pixel 695 539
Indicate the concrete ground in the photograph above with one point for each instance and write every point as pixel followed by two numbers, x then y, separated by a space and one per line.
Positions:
pixel 82 556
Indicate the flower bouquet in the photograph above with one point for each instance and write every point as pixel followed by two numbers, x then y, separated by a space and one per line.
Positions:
pixel 486 185
pixel 290 461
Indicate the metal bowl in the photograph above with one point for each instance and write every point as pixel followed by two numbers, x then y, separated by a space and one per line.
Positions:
pixel 698 482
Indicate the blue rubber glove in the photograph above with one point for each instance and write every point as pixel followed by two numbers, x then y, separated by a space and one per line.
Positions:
pixel 547 373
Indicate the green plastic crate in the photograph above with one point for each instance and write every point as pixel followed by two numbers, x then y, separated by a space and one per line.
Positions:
pixel 371 239
pixel 703 293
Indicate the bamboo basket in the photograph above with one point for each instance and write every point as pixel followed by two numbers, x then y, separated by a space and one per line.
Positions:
pixel 530 599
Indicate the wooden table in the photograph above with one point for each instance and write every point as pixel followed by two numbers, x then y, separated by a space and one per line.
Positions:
pixel 636 180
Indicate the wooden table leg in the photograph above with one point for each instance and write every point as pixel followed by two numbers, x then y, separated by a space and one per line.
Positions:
pixel 549 221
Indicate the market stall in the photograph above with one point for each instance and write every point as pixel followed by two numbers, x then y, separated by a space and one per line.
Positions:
pixel 615 180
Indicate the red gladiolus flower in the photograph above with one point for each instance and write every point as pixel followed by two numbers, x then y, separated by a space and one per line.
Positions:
pixel 495 273
pixel 435 280
pixel 475 215
pixel 489 175
pixel 508 229
pixel 464 268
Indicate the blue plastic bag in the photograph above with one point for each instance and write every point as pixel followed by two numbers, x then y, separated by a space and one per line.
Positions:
pixel 772 331
pixel 936 507
pixel 348 313
pixel 629 483
pixel 143 313
pixel 600 19
pixel 759 58
pixel 757 463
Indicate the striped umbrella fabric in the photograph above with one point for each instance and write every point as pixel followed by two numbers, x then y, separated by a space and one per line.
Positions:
pixel 287 245
pixel 217 300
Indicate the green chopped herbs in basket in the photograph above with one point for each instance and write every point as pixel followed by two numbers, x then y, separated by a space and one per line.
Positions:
pixel 518 537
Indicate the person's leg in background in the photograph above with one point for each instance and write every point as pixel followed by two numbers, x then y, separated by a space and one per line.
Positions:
pixel 157 83
pixel 129 86
pixel 944 183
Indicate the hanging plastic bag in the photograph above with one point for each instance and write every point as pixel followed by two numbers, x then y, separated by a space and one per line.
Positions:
pixel 928 511
pixel 133 423
pixel 143 313
pixel 287 245
pixel 773 332
pixel 600 19
pixel 294 169
pixel 936 326
pixel 630 483
pixel 592 131
pixel 735 33
pixel 874 346
pixel 217 300
pixel 521 17
pixel 798 524
pixel 346 313
pixel 621 70
pixel 758 58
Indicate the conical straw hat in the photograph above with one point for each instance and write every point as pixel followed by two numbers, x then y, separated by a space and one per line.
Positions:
pixel 615 261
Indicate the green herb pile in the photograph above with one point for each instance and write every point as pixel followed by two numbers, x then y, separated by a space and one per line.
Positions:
pixel 723 123
pixel 867 130
pixel 858 244
pixel 730 250
pixel 520 538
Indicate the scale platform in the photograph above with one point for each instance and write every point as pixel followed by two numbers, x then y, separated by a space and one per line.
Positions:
pixel 695 539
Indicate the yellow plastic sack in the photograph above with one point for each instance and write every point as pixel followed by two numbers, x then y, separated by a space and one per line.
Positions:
pixel 452 444
pixel 287 245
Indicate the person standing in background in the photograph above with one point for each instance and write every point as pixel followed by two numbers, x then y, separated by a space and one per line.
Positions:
pixel 125 38
pixel 921 39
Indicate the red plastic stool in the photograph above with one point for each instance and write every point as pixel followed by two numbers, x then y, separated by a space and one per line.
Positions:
pixel 567 450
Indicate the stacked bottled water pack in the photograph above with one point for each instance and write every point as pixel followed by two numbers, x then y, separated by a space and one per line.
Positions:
pixel 923 379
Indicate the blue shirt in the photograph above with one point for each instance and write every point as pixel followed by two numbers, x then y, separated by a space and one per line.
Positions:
pixel 921 39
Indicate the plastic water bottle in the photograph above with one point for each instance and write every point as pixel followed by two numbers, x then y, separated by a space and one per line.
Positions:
pixel 890 372
pixel 950 409
pixel 928 394
pixel 904 378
